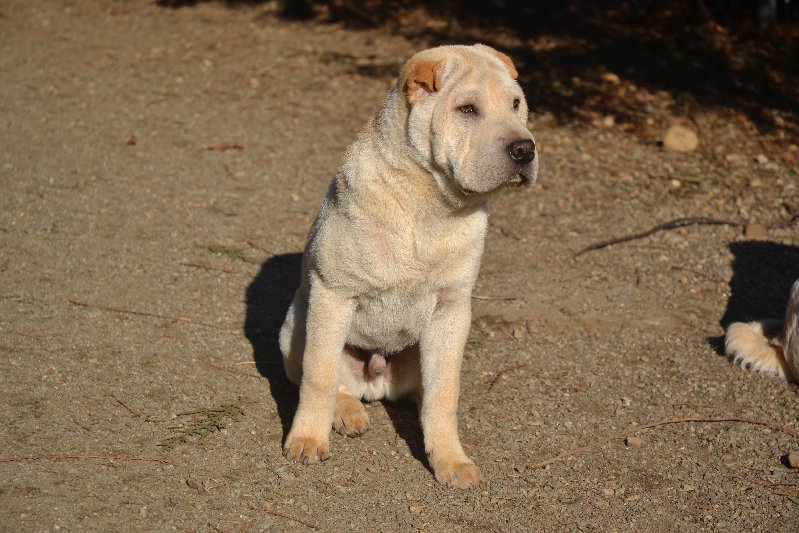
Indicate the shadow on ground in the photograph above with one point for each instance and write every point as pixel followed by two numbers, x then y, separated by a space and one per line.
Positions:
pixel 762 275
pixel 268 299
pixel 583 59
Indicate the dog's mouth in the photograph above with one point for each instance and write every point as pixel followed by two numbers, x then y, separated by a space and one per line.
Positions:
pixel 519 180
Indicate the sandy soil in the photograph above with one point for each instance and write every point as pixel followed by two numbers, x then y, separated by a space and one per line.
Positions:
pixel 143 277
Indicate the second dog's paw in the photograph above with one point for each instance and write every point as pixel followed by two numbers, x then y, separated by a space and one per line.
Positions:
pixel 462 474
pixel 306 450
pixel 350 418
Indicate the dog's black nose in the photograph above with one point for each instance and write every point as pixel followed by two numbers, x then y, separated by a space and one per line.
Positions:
pixel 522 151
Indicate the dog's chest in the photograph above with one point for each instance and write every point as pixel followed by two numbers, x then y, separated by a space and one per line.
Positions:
pixel 410 276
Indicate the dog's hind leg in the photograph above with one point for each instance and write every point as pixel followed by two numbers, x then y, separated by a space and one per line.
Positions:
pixel 292 338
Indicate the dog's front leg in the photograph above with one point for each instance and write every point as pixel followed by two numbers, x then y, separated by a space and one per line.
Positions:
pixel 329 316
pixel 441 346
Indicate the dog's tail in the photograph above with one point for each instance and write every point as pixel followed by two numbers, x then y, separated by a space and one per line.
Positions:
pixel 768 346
pixel 757 347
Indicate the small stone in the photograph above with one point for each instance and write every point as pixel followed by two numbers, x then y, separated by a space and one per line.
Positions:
pixel 196 485
pixel 755 231
pixel 143 512
pixel 608 492
pixel 611 78
pixel 793 459
pixel 626 402
pixel 675 184
pixel 688 488
pixel 609 121
pixel 680 139
pixel 415 509
pixel 518 333
pixel 761 159
pixel 633 442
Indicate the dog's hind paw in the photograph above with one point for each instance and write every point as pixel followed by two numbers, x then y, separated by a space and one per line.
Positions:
pixel 350 417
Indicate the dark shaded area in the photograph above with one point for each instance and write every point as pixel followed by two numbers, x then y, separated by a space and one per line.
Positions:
pixel 763 273
pixel 404 417
pixel 581 59
pixel 268 299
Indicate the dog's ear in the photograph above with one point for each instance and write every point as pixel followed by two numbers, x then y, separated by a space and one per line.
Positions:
pixel 504 58
pixel 422 77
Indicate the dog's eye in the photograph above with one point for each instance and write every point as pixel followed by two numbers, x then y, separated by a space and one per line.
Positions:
pixel 516 103
pixel 468 108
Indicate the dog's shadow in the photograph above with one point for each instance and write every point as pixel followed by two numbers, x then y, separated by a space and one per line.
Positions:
pixel 268 299
pixel 762 275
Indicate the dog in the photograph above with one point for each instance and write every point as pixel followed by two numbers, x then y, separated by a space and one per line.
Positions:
pixel 384 306
pixel 768 346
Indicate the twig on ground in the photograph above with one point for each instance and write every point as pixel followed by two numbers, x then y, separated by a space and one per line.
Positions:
pixel 259 247
pixel 209 267
pixel 106 457
pixel 131 411
pixel 517 366
pixel 793 497
pixel 787 223
pixel 232 371
pixel 506 298
pixel 672 224
pixel 225 145
pixel 638 429
pixel 767 483
pixel 144 313
pixel 287 517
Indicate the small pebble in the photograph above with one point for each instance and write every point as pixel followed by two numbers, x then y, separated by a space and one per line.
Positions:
pixel 633 442
pixel 755 231
pixel 626 402
pixel 607 492
pixel 793 459
pixel 680 139
pixel 415 509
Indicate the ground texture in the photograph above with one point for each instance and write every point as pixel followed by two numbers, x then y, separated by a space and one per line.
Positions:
pixel 159 172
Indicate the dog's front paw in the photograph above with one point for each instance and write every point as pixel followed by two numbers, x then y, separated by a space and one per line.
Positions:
pixel 350 418
pixel 461 474
pixel 306 449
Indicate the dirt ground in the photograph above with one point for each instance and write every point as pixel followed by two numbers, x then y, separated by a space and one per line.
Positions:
pixel 160 169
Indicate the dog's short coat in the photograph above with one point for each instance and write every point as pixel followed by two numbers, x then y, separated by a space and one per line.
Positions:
pixel 384 309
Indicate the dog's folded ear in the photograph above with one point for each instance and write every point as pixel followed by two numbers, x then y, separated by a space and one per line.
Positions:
pixel 502 57
pixel 422 77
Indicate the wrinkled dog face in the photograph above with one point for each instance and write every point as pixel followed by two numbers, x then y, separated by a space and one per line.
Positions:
pixel 468 121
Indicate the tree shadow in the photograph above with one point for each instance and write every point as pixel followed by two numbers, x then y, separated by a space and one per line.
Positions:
pixel 762 275
pixel 583 59
pixel 268 298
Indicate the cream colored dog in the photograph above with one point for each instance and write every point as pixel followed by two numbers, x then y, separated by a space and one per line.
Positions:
pixel 384 307
pixel 768 346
